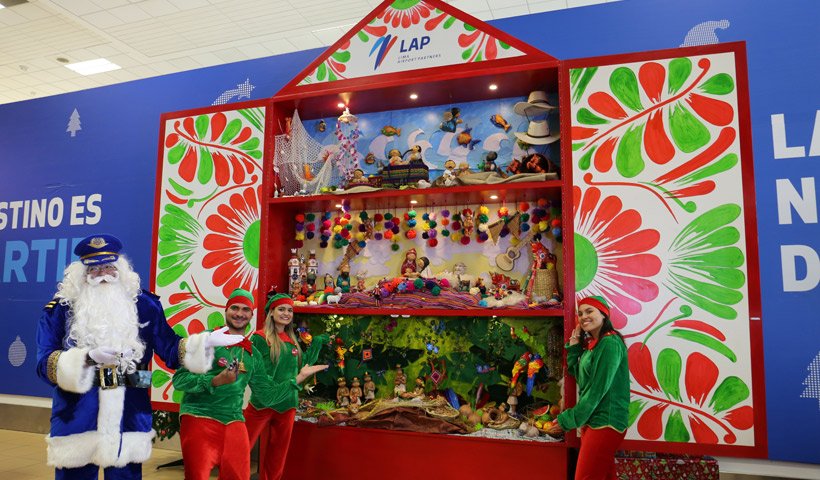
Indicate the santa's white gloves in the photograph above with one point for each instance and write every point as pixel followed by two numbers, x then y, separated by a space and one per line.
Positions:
pixel 104 356
pixel 218 338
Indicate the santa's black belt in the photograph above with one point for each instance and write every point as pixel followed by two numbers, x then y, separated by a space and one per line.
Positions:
pixel 108 377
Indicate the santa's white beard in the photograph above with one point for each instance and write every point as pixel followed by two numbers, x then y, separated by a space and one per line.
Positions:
pixel 104 315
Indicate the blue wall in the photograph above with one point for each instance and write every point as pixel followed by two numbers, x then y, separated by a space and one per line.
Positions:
pixel 114 156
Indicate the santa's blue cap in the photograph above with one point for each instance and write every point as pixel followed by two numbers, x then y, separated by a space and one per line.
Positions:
pixel 98 249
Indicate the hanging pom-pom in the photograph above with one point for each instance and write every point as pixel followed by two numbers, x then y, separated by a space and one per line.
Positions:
pixel 411 234
pixel 432 242
pixel 388 234
pixel 445 213
pixel 483 210
pixel 395 247
pixel 435 290
pixel 465 240
pixel 556 232
pixel 503 212
pixel 362 243
pixel 523 207
pixel 543 225
pixel 300 227
pixel 432 233
pixel 363 215
pixel 310 217
pixel 483 218
pixel 323 244
pixel 300 217
pixel 542 202
pixel 310 227
pixel 456 226
pixel 483 237
pixel 299 244
pixel 446 233
pixel 310 235
pixel 525 227
pixel 378 217
pixel 377 236
pixel 445 222
pixel 411 223
pixel 388 216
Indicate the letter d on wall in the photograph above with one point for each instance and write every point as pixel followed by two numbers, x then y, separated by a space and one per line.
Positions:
pixel 788 259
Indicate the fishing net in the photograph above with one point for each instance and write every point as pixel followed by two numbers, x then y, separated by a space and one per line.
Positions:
pixel 302 164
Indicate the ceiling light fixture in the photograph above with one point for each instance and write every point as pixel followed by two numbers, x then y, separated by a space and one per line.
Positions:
pixel 413 96
pixel 493 86
pixel 493 197
pixel 91 67
pixel 413 202
pixel 340 105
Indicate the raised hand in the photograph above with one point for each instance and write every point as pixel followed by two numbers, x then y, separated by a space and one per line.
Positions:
pixel 218 338
pixel 309 370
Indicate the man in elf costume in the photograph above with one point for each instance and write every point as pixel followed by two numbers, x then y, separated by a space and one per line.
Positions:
pixel 94 343
pixel 212 428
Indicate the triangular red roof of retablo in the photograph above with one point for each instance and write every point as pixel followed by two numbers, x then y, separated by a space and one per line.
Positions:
pixel 419 36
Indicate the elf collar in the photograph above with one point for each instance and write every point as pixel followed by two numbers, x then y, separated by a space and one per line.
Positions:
pixel 285 338
pixel 245 343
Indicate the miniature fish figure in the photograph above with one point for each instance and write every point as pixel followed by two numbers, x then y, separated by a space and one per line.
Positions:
pixel 499 122
pixel 321 126
pixel 391 131
pixel 465 138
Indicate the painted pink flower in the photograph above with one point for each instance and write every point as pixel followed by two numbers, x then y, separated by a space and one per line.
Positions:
pixel 233 244
pixel 611 256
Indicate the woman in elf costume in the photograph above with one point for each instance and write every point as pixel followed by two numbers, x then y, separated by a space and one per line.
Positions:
pixel 212 428
pixel 288 367
pixel 596 357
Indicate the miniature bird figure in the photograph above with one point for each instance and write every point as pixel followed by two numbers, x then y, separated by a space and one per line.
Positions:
pixel 534 366
pixel 519 366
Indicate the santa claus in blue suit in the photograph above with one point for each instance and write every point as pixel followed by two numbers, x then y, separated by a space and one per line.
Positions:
pixel 95 340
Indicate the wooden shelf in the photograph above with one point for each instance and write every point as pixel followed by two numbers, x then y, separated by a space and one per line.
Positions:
pixel 506 193
pixel 434 312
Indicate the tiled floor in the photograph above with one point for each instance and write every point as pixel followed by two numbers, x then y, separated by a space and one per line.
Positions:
pixel 23 457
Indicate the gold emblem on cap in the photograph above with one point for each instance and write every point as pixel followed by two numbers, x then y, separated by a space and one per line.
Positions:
pixel 97 242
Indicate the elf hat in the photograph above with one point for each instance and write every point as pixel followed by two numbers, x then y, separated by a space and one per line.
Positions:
pixel 595 301
pixel 276 300
pixel 240 296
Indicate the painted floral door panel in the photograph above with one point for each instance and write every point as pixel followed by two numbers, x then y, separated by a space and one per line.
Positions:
pixel 663 231
pixel 208 225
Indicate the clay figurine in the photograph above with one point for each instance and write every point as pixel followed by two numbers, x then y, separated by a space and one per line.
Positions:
pixel 358 178
pixel 409 268
pixel 400 382
pixel 355 392
pixel 342 393
pixel 369 388
pixel 343 280
pixel 394 157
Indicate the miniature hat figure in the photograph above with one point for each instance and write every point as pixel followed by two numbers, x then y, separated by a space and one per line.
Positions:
pixel 536 104
pixel 538 133
pixel 98 249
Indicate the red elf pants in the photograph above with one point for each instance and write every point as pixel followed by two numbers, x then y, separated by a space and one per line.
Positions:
pixel 272 463
pixel 596 460
pixel 207 443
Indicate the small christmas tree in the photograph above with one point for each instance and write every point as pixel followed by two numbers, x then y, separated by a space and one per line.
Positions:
pixel 74 123
pixel 812 382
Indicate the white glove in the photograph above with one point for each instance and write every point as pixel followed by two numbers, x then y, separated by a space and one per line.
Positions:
pixel 104 356
pixel 218 338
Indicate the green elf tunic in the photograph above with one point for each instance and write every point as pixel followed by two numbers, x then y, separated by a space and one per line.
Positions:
pixel 602 374
pixel 285 394
pixel 224 403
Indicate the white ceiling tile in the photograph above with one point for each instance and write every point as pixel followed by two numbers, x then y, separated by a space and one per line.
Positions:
pixel 583 3
pixel 496 4
pixel 279 46
pixel 31 11
pixel 105 50
pixel 158 8
pixel 470 6
pixel 80 55
pixel 484 15
pixel 110 3
pixel 123 75
pixel 511 11
pixel 184 63
pixel 77 7
pixel 254 50
pixel 123 60
pixel 15 82
pixel 305 41
pixel 163 68
pixel 9 17
pixel 547 5
pixel 189 4
pixel 143 71
pixel 329 36
pixel 102 20
pixel 205 59
pixel 130 13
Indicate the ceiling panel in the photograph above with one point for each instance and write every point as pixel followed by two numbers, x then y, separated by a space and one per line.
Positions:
pixel 156 37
